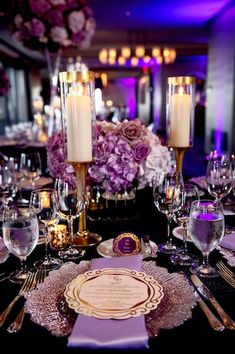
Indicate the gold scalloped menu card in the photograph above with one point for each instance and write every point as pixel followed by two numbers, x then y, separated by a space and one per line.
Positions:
pixel 117 293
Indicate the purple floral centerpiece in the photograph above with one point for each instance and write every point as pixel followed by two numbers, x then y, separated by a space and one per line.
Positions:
pixel 51 23
pixel 127 155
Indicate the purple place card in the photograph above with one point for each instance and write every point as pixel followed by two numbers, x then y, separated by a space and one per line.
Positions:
pixel 126 244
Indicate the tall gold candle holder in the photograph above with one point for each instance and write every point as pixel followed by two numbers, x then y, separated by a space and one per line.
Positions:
pixel 180 116
pixel 78 125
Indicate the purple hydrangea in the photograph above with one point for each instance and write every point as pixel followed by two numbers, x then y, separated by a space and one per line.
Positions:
pixel 54 24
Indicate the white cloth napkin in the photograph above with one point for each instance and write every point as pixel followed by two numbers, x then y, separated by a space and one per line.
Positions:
pixel 228 241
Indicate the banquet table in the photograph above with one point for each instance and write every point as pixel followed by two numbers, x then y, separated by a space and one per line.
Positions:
pixel 190 336
pixel 13 148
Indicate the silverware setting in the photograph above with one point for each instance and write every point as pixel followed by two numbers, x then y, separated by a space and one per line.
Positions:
pixel 214 322
pixel 16 325
pixel 3 277
pixel 226 273
pixel 28 285
pixel 203 290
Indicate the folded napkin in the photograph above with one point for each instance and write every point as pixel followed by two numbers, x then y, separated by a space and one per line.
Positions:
pixel 2 244
pixel 91 332
pixel 200 181
pixel 228 241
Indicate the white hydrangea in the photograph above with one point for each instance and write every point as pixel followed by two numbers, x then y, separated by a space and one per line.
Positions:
pixel 158 161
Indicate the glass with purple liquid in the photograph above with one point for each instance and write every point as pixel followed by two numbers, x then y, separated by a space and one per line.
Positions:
pixel 206 229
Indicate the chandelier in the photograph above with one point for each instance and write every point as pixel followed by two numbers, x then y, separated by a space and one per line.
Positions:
pixel 137 56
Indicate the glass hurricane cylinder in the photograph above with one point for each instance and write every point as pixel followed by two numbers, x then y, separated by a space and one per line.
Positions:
pixel 78 125
pixel 180 115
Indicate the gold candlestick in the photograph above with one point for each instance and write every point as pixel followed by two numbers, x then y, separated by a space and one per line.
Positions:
pixel 78 127
pixel 84 237
pixel 179 155
pixel 180 115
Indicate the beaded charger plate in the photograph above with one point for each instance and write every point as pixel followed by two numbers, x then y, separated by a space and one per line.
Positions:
pixel 48 306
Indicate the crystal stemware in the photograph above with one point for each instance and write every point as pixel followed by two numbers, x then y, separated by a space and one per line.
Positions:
pixel 167 193
pixel 31 166
pixel 8 186
pixel 20 234
pixel 219 175
pixel 70 207
pixel 206 229
pixel 181 216
pixel 44 202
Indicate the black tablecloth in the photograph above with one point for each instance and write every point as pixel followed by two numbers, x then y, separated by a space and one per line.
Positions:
pixel 192 336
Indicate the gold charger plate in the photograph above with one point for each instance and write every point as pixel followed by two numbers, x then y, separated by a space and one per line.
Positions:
pixel 117 293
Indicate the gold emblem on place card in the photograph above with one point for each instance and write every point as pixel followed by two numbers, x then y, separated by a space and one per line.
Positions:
pixel 116 293
pixel 126 244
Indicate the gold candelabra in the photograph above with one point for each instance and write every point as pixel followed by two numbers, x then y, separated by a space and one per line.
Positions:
pixel 84 236
pixel 180 116
pixel 179 156
pixel 78 125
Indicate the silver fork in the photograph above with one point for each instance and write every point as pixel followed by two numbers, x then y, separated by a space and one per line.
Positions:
pixel 226 273
pixel 16 325
pixel 27 285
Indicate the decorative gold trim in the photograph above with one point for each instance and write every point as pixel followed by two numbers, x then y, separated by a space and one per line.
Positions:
pixel 150 298
pixel 76 76
pixel 126 235
pixel 181 80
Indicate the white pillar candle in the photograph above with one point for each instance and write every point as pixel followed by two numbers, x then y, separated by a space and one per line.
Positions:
pixel 79 128
pixel 180 120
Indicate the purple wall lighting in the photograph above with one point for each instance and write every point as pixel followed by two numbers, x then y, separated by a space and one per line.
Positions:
pixel 129 87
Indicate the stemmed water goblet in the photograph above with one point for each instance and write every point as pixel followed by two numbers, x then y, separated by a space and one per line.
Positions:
pixel 70 207
pixel 8 186
pixel 167 195
pixel 31 166
pixel 181 216
pixel 206 229
pixel 44 202
pixel 219 176
pixel 20 234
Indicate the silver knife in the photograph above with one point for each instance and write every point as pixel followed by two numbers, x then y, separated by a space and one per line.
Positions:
pixel 202 289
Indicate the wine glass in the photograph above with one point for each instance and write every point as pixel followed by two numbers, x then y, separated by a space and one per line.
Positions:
pixel 16 162
pixel 181 216
pixel 206 228
pixel 31 166
pixel 219 176
pixel 44 202
pixel 70 207
pixel 20 235
pixel 167 193
pixel 8 186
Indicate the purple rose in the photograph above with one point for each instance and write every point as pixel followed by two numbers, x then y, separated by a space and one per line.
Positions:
pixel 39 7
pixel 77 38
pixel 132 130
pixel 141 151
pixel 55 18
pixel 35 28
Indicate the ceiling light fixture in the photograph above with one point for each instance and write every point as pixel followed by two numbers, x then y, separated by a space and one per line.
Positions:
pixel 137 56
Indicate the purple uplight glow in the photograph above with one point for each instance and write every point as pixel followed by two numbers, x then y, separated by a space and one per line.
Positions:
pixel 129 85
pixel 218 140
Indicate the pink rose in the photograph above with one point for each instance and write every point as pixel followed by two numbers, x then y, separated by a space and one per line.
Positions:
pixel 132 130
